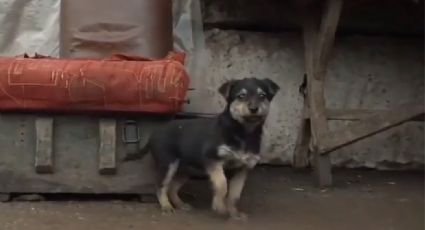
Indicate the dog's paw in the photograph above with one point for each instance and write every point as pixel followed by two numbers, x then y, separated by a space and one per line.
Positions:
pixel 240 216
pixel 219 208
pixel 252 161
pixel 185 207
pixel 167 210
pixel 225 152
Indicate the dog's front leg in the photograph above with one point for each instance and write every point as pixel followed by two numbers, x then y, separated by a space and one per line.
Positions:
pixel 218 180
pixel 236 185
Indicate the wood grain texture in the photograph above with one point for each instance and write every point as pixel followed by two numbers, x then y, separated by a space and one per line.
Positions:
pixel 369 126
pixel 317 44
pixel 44 145
pixel 107 146
pixel 76 161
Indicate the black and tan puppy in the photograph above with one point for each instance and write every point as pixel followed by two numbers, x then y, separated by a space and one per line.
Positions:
pixel 222 149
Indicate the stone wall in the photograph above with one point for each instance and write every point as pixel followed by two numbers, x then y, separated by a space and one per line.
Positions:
pixel 365 72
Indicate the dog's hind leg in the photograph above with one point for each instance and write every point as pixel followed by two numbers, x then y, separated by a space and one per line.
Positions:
pixel 164 186
pixel 219 182
pixel 236 185
pixel 173 192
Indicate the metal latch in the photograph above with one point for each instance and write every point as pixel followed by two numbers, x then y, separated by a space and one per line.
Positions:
pixel 130 132
pixel 131 138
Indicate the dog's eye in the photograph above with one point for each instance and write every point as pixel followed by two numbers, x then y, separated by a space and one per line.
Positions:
pixel 262 96
pixel 242 96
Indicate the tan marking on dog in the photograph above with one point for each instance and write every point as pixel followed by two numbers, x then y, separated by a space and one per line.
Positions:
pixel 225 152
pixel 260 90
pixel 243 91
pixel 251 160
pixel 218 180
pixel 264 108
pixel 173 192
pixel 236 185
pixel 239 108
pixel 162 192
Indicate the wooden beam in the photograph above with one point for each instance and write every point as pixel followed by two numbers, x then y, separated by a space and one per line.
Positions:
pixel 326 36
pixel 359 114
pixel 317 49
pixel 44 145
pixel 372 125
pixel 351 114
pixel 355 114
pixel 107 148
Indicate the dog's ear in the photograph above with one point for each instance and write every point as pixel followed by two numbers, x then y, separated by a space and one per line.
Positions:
pixel 272 87
pixel 225 88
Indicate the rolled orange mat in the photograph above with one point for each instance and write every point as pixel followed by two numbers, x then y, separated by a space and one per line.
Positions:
pixel 117 84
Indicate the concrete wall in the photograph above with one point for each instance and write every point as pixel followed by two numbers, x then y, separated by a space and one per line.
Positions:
pixel 364 72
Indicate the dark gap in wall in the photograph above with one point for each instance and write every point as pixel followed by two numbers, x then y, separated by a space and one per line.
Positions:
pixel 275 29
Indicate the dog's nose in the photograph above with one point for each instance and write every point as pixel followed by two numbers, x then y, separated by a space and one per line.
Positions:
pixel 253 110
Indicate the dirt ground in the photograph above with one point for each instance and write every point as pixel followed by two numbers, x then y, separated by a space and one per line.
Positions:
pixel 275 198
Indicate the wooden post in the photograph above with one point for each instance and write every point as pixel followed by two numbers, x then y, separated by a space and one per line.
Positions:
pixel 317 48
pixel 301 156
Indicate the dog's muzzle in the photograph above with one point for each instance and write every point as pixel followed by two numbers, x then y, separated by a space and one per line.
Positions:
pixel 253 118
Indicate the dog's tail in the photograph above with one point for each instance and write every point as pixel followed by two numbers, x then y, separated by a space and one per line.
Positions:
pixel 139 154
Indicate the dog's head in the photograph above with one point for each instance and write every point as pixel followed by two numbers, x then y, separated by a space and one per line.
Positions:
pixel 249 98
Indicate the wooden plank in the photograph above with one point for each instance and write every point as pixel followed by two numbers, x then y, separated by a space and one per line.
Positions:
pixel 374 124
pixel 44 145
pixel 351 114
pixel 317 49
pixel 355 114
pixel 358 114
pixel 301 156
pixel 301 151
pixel 310 34
pixel 107 147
